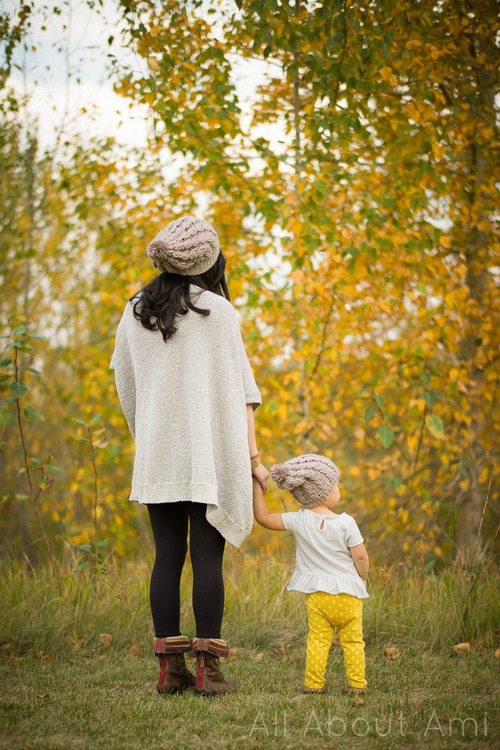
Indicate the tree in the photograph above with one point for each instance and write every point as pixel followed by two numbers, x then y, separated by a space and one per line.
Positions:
pixel 352 187
pixel 73 219
pixel 377 205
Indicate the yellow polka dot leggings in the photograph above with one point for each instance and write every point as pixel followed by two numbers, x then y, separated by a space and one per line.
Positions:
pixel 325 612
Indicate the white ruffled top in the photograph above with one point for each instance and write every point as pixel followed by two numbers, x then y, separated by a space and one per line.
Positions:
pixel 323 561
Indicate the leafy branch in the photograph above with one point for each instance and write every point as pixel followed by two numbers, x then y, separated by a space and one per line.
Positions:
pixel 94 438
pixel 18 343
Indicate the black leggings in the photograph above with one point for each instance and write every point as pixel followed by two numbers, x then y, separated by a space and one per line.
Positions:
pixel 169 522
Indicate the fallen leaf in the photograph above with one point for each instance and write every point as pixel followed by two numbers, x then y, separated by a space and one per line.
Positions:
pixel 392 652
pixel 38 654
pixel 497 653
pixel 233 653
pixel 135 649
pixel 462 648
pixel 359 701
pixel 105 639
pixel 73 643
pixel 281 650
pixel 45 695
pixel 257 657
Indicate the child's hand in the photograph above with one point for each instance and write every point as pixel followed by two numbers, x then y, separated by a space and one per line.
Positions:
pixel 261 513
pixel 261 474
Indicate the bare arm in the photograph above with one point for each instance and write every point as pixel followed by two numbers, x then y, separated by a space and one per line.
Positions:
pixel 252 440
pixel 360 557
pixel 260 472
pixel 262 516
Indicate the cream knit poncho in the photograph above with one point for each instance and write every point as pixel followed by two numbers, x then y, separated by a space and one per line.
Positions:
pixel 185 404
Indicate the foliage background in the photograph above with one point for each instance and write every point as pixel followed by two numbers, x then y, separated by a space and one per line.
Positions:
pixel 354 195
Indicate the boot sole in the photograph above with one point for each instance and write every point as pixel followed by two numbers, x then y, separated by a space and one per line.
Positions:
pixel 172 691
pixel 213 693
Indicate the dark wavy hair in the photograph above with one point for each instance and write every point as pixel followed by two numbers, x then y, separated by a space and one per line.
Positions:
pixel 160 302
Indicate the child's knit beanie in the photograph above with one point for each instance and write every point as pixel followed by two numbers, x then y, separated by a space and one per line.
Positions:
pixel 187 246
pixel 310 478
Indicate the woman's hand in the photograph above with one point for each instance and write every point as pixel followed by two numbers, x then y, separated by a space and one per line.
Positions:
pixel 261 474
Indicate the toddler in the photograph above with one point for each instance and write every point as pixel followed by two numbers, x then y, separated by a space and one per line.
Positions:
pixel 331 565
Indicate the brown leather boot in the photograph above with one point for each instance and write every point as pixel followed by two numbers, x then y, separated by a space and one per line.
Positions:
pixel 209 678
pixel 174 675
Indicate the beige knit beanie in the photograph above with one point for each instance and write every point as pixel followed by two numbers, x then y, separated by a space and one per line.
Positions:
pixel 310 478
pixel 187 246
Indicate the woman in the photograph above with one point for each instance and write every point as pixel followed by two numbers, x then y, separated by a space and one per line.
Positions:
pixel 188 394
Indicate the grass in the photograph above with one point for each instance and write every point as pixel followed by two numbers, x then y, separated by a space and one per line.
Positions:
pixel 65 687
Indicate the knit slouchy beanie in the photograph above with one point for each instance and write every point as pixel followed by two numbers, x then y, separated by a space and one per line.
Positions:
pixel 310 478
pixel 187 246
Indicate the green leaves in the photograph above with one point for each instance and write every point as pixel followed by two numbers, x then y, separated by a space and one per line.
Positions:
pixel 18 389
pixel 435 426
pixel 95 437
pixel 430 398
pixel 31 413
pixel 92 421
pixel 369 413
pixel 386 435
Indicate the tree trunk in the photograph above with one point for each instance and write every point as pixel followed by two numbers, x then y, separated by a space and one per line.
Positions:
pixel 302 397
pixel 471 501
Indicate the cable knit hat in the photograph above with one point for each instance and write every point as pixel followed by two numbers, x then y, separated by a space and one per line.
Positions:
pixel 310 478
pixel 187 246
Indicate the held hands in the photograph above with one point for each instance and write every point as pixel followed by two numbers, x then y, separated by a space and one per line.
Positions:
pixel 261 474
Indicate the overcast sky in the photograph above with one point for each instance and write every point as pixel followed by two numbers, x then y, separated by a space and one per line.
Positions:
pixel 74 45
